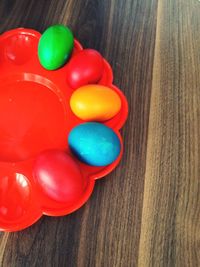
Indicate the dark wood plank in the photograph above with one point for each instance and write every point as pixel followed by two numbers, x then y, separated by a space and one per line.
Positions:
pixel 106 231
pixel 171 210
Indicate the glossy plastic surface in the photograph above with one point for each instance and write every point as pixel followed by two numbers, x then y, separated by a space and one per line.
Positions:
pixel 35 117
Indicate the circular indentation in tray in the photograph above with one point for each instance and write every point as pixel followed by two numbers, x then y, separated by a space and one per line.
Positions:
pixel 18 48
pixel 14 197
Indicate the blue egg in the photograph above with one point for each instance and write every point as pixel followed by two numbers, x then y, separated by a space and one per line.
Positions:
pixel 94 144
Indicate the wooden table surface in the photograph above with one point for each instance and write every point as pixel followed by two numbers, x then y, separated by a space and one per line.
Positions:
pixel 147 212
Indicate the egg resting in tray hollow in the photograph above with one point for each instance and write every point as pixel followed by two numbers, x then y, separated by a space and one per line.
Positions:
pixel 39 174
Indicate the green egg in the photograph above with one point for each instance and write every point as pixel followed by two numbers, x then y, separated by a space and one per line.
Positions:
pixel 55 47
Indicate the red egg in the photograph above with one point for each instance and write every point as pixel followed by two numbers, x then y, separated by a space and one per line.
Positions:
pixel 59 177
pixel 85 68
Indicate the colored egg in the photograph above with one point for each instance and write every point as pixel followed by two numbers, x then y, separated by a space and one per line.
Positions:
pixel 55 47
pixel 95 103
pixel 84 68
pixel 59 177
pixel 94 144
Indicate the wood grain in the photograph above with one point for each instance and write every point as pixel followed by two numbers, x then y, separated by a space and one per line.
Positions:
pixel 147 212
pixel 170 232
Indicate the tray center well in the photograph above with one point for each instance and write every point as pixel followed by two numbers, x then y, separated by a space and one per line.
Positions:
pixel 32 117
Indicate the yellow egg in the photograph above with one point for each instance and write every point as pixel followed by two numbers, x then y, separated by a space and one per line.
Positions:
pixel 95 103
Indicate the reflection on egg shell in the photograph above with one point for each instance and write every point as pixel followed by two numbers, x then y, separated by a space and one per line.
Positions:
pixel 95 103
pixel 94 144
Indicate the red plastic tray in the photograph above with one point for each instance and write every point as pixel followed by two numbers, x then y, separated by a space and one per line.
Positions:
pixel 35 116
